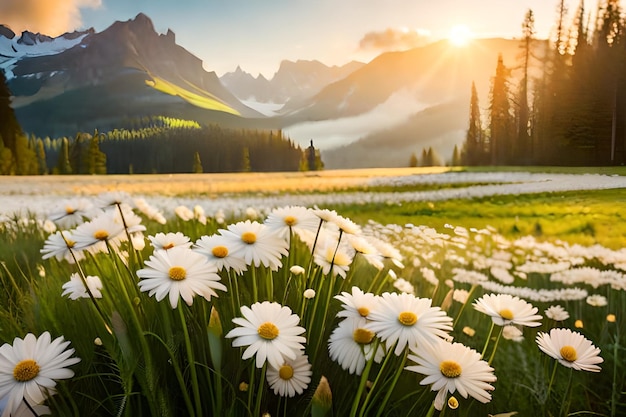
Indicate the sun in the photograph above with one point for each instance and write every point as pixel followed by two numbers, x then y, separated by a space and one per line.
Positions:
pixel 459 35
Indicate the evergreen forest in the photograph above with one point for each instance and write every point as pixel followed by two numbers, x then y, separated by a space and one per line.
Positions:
pixel 573 112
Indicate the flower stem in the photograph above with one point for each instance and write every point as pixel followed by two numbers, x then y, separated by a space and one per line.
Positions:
pixel 482 355
pixel 190 359
pixel 495 346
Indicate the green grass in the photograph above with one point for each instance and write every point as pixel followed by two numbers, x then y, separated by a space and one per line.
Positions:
pixel 582 217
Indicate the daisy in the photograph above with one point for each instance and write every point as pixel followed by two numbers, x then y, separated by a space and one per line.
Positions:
pixel 596 300
pixel 257 244
pixel 350 345
pixel 94 234
pixel 405 320
pixel 179 272
pixel 451 367
pixel 184 213
pixel 218 250
pixel 556 313
pixel 332 259
pixel 291 378
pixel 71 213
pixel 29 368
pixel 75 288
pixel 150 212
pixel 357 304
pixel 571 349
pixel 369 252
pixel 270 331
pixel 167 241
pixel 294 219
pixel 112 199
pixel 507 309
pixel 60 245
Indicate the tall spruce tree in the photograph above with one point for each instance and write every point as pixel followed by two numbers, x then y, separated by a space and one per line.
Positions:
pixel 474 147
pixel 500 119
pixel 523 144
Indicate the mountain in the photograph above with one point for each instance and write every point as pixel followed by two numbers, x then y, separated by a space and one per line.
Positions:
pixel 359 115
pixel 401 102
pixel 293 82
pixel 101 80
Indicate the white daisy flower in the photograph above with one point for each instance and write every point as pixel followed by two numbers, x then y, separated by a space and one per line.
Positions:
pixel 357 304
pixel 59 245
pixel 75 288
pixel 270 331
pixel 291 378
pixel 218 250
pixel 596 300
pixel 556 313
pixel 112 199
pixel 512 332
pixel 29 368
pixel 350 345
pixel 571 349
pixel 71 213
pixel 507 309
pixel 405 320
pixel 451 367
pixel 297 270
pixel 329 256
pixel 151 212
pixel 368 251
pixel 95 233
pixel 184 213
pixel 179 272
pixel 285 220
pixel 256 244
pixel 167 241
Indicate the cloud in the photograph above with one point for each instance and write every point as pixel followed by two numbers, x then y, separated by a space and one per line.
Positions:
pixel 49 17
pixel 394 39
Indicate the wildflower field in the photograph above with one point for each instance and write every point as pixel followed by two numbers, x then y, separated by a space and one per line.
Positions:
pixel 373 293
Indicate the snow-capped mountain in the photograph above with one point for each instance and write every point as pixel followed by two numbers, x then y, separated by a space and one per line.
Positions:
pixel 14 48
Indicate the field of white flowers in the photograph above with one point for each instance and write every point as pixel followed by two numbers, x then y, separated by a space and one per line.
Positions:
pixel 243 295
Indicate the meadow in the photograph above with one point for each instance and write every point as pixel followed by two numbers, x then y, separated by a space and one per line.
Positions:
pixel 367 292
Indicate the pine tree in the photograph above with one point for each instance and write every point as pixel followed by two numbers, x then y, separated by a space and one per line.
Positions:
pixel 7 162
pixel 197 164
pixel 500 120
pixel 523 145
pixel 25 157
pixel 456 157
pixel 474 147
pixel 96 159
pixel 63 166
pixel 245 162
pixel 413 160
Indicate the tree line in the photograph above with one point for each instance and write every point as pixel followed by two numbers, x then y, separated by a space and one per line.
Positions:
pixel 573 113
pixel 148 145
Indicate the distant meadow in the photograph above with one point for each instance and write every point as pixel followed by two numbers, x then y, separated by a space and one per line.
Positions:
pixel 382 292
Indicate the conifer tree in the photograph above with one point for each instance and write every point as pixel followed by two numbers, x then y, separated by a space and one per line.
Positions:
pixel 523 146
pixel 456 157
pixel 197 164
pixel 245 162
pixel 63 166
pixel 500 120
pixel 413 160
pixel 7 162
pixel 96 159
pixel 474 147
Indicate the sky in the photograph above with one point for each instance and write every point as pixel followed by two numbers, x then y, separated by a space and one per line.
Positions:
pixel 258 34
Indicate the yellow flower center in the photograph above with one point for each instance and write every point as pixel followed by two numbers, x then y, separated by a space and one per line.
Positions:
pixel 101 234
pixel 168 246
pixel 177 273
pixel 363 336
pixel 506 314
pixel 70 210
pixel 285 372
pixel 290 220
pixel 70 243
pixel 268 331
pixel 220 251
pixel 25 370
pixel 249 237
pixel 407 318
pixel 363 311
pixel 568 353
pixel 450 369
